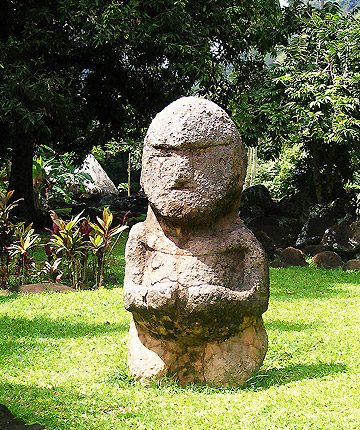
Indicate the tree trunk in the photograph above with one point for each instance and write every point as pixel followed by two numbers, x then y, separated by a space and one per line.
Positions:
pixel 129 174
pixel 21 180
pixel 316 171
pixel 331 170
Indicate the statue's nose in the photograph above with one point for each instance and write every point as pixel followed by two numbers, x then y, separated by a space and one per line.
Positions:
pixel 184 175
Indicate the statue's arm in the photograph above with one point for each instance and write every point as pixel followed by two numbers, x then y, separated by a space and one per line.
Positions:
pixel 135 262
pixel 255 291
pixel 251 296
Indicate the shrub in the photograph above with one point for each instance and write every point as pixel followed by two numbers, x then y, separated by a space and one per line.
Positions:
pixel 82 247
pixel 16 245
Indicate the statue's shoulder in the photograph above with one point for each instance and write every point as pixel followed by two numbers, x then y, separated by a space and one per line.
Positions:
pixel 137 234
pixel 237 236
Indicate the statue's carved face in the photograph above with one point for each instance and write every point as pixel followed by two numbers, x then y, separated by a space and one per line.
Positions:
pixel 191 183
pixel 193 162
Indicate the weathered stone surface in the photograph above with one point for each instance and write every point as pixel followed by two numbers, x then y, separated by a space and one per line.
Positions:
pixel 227 363
pixel 196 278
pixel 343 239
pixel 292 257
pixel 327 260
pixel 203 175
pixel 352 265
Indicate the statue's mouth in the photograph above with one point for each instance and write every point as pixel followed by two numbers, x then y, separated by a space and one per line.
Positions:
pixel 183 184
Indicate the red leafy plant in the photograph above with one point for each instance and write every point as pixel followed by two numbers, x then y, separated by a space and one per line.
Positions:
pixel 16 245
pixel 78 243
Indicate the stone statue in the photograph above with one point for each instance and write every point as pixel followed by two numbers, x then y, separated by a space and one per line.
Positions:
pixel 196 278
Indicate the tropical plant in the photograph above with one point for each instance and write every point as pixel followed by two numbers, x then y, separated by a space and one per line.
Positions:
pixel 82 246
pixel 55 177
pixel 52 270
pixel 312 98
pixel 68 242
pixel 102 242
pixel 16 245
pixel 20 251
pixel 7 236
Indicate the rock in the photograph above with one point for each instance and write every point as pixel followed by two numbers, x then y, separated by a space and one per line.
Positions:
pixel 292 206
pixel 343 239
pixel 313 230
pixel 212 362
pixel 283 231
pixel 109 200
pixel 277 265
pixel 313 250
pixel 196 278
pixel 267 243
pixel 9 422
pixel 341 210
pixel 352 265
pixel 45 287
pixel 256 201
pixel 327 260
pixel 102 184
pixel 292 257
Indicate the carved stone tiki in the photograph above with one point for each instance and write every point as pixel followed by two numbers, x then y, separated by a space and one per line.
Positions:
pixel 196 279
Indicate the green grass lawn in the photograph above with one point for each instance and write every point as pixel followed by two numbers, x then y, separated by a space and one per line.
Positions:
pixel 63 363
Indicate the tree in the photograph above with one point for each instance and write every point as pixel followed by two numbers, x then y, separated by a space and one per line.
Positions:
pixel 312 96
pixel 75 72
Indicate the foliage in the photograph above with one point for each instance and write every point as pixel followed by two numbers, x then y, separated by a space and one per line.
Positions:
pixel 281 174
pixel 312 96
pixel 7 237
pixel 102 242
pixel 16 245
pixel 78 73
pixel 21 252
pixel 55 177
pixel 63 363
pixel 68 242
pixel 74 242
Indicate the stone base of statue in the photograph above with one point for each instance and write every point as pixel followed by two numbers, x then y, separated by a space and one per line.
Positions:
pixel 225 363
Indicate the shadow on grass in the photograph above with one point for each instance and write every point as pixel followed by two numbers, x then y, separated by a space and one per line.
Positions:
pixel 56 329
pixel 261 381
pixel 50 407
pixel 292 373
pixel 61 407
pixel 6 297
pixel 295 283
pixel 289 326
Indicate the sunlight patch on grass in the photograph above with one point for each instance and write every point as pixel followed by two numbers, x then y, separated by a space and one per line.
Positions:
pixel 63 363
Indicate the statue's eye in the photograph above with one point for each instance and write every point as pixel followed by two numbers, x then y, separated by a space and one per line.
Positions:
pixel 162 153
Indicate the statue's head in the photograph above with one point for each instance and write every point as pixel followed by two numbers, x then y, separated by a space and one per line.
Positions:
pixel 194 163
